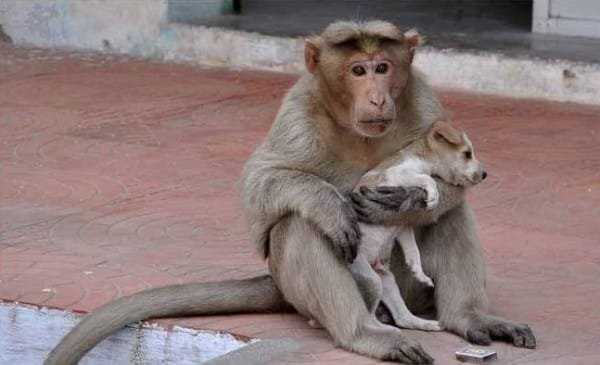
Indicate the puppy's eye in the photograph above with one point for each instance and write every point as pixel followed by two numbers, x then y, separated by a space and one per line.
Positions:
pixel 468 155
pixel 382 68
pixel 358 70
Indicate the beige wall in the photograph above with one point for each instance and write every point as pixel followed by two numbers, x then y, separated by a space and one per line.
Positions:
pixel 567 17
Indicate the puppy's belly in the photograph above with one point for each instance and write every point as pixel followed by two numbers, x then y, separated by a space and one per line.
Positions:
pixel 376 242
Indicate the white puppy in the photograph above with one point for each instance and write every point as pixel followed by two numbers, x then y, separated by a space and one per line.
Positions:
pixel 442 151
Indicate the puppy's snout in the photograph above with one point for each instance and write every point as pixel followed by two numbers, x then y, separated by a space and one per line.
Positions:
pixel 479 175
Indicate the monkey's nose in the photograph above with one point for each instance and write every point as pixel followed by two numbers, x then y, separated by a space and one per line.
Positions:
pixel 378 102
pixel 483 175
pixel 376 98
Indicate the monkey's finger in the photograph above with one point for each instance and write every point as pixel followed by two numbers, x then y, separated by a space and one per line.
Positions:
pixel 416 198
pixel 382 193
pixel 360 207
pixel 519 335
pixel 398 197
pixel 389 190
pixel 479 336
pixel 364 191
pixel 400 357
pixel 416 354
pixel 387 201
pixel 518 340
pixel 530 342
pixel 364 216
pixel 529 337
pixel 357 200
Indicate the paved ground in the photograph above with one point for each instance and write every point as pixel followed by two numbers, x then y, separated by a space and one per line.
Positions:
pixel 119 175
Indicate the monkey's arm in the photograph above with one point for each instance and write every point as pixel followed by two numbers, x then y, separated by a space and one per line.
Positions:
pixel 389 205
pixel 274 192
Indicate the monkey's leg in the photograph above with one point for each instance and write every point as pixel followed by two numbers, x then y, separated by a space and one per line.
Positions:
pixel 320 286
pixel 459 273
pixel 395 303
pixel 276 192
pixel 368 281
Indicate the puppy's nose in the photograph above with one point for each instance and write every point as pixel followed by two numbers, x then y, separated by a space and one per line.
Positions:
pixel 483 175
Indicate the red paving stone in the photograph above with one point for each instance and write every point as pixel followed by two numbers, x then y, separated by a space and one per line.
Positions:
pixel 119 175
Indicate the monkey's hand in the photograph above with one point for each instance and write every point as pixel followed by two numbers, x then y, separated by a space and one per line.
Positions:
pixel 400 205
pixel 380 204
pixel 340 225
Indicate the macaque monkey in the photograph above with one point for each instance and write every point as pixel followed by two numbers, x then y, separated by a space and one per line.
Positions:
pixel 359 102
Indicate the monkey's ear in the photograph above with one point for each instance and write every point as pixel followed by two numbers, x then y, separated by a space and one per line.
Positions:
pixel 312 54
pixel 442 131
pixel 413 40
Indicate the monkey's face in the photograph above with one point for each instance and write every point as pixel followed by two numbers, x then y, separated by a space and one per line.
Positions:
pixel 455 158
pixel 374 84
pixel 362 70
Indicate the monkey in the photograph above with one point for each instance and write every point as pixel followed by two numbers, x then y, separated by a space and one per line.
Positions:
pixel 359 101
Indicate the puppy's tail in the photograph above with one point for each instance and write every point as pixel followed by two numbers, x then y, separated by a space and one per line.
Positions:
pixel 236 296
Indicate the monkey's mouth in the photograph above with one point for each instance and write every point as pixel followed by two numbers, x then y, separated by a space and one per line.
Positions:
pixel 374 126
pixel 376 122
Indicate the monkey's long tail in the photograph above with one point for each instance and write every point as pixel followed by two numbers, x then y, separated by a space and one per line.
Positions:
pixel 236 296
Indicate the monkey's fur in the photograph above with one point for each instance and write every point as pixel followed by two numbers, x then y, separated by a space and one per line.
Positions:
pixel 333 126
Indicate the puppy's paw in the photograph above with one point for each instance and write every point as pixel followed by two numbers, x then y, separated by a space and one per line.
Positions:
pixel 430 325
pixel 314 324
pixel 424 279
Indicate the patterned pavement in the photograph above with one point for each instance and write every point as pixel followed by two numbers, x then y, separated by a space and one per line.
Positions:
pixel 118 175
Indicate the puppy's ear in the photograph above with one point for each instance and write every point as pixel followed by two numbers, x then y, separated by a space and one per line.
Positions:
pixel 444 132
pixel 312 54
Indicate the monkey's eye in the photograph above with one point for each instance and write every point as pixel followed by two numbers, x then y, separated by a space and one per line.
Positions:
pixel 382 68
pixel 358 70
pixel 468 154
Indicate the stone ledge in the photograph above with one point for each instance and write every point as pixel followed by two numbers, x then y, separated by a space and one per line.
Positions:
pixel 122 27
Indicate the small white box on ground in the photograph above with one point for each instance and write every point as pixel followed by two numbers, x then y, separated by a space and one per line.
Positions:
pixel 477 355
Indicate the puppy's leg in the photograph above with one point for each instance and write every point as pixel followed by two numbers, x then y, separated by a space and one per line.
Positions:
pixel 320 286
pixel 406 238
pixel 402 316
pixel 457 266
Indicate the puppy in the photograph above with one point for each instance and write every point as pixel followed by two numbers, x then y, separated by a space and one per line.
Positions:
pixel 442 151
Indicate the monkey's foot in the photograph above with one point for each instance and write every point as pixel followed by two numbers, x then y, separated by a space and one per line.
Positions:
pixel 519 335
pixel 409 352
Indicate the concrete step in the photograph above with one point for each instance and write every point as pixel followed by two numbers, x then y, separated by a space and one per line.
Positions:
pixel 124 27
